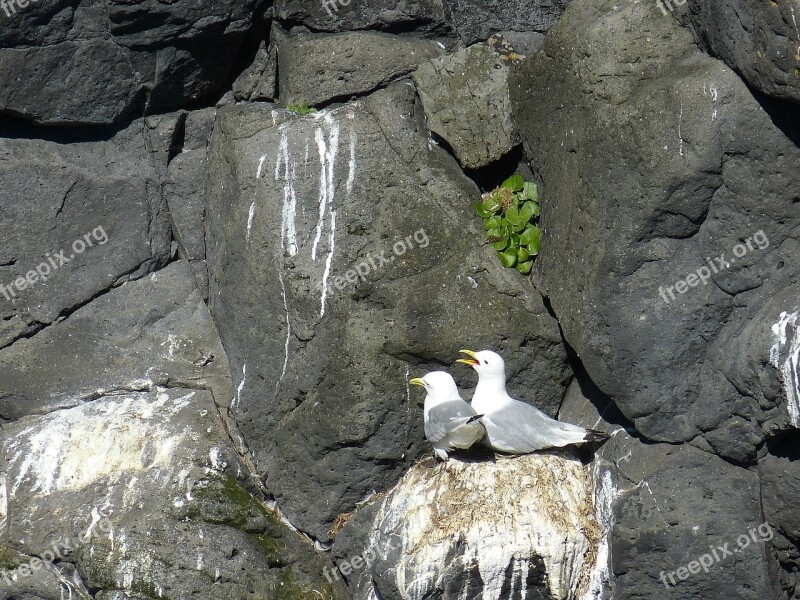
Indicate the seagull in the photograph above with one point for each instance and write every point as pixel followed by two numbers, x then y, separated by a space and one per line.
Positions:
pixel 512 426
pixel 450 422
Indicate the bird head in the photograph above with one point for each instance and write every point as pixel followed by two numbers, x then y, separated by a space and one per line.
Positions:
pixel 485 362
pixel 437 383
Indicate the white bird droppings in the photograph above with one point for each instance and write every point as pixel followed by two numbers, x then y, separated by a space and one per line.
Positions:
pixel 786 348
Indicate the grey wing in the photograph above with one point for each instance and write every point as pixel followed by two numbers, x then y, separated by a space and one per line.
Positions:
pixel 524 428
pixel 446 418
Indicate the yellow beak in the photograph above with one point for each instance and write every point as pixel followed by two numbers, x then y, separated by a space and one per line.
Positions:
pixel 472 361
pixel 417 381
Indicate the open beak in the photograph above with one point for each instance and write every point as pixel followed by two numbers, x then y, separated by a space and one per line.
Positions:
pixel 417 381
pixel 471 361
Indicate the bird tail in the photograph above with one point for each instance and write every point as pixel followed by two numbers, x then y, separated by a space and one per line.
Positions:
pixel 475 418
pixel 593 435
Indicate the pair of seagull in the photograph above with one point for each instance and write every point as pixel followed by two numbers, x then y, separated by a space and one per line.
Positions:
pixel 502 423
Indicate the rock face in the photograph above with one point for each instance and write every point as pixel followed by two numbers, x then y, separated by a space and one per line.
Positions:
pixel 93 65
pixel 136 500
pixel 424 16
pixel 445 531
pixel 186 179
pixel 760 41
pixel 780 480
pixel 475 21
pixel 88 229
pixel 211 305
pixel 664 526
pixel 318 390
pixel 155 331
pixel 470 21
pixel 320 68
pixel 475 121
pixel 669 297
pixel 133 484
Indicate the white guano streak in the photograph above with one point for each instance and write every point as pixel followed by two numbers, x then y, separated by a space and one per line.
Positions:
pixel 288 227
pixel 351 177
pixel 786 345
pixel 250 216
pixel 605 492
pixel 327 185
pixel 288 332
pixel 328 262
pixel 238 397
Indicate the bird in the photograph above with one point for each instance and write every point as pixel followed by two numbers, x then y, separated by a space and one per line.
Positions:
pixel 514 427
pixel 450 422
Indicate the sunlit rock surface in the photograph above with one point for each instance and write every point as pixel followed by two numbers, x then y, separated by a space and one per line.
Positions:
pixel 504 528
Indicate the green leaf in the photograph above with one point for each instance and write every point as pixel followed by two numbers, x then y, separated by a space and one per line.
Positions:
pixel 526 212
pixel 530 191
pixel 525 267
pixel 492 204
pixel 492 222
pixel 514 240
pixel 529 235
pixel 522 254
pixel 500 244
pixel 536 209
pixel 535 244
pixel 513 183
pixel 482 212
pixel 512 215
pixel 508 258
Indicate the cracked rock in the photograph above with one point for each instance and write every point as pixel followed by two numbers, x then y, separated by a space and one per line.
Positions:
pixel 320 365
pixel 320 68
pixel 152 332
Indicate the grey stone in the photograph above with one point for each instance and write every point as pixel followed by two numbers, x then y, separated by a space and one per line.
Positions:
pixel 94 64
pixel 758 40
pixel 475 21
pixel 780 485
pixel 321 68
pixel 105 189
pixel 524 42
pixel 665 506
pixel 185 188
pixel 692 505
pixel 320 365
pixel 466 101
pixel 150 332
pixel 470 21
pixel 422 16
pixel 259 80
pixel 635 198
pixel 59 88
pixel 139 492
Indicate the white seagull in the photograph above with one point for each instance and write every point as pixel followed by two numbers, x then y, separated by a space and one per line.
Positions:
pixel 450 423
pixel 512 426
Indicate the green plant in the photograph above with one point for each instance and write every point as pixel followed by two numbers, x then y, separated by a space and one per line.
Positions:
pixel 510 215
pixel 303 108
